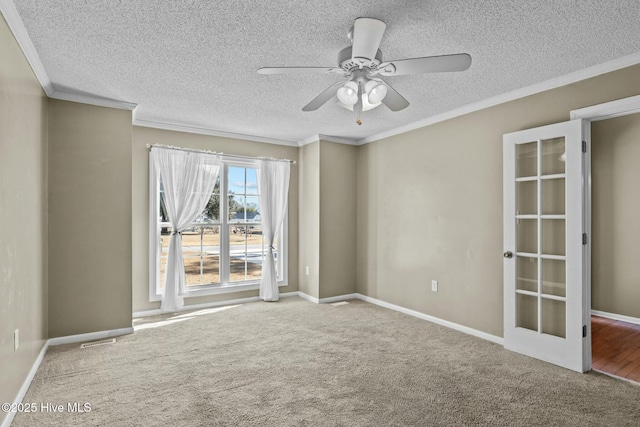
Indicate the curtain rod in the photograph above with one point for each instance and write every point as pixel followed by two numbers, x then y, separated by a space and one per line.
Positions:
pixel 193 150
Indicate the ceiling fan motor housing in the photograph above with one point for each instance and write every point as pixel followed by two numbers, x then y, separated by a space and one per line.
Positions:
pixel 348 64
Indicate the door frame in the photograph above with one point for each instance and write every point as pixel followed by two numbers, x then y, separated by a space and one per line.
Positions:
pixel 594 113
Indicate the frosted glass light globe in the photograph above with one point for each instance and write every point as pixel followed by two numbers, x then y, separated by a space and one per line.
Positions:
pixel 348 94
pixel 375 91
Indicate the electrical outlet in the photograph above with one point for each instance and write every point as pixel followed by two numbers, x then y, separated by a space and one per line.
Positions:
pixel 434 285
pixel 307 270
pixel 16 339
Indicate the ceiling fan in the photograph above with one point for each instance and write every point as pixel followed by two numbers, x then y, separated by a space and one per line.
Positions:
pixel 361 64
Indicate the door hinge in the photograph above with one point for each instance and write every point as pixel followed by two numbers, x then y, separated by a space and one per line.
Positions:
pixel 584 238
pixel 584 146
pixel 584 331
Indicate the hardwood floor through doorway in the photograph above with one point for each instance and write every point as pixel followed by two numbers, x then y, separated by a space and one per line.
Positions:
pixel 616 347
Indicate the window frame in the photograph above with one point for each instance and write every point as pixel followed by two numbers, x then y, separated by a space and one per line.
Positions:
pixel 212 288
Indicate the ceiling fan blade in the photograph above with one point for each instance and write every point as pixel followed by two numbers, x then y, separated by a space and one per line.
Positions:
pixel 321 99
pixel 393 100
pixel 300 70
pixel 430 64
pixel 367 34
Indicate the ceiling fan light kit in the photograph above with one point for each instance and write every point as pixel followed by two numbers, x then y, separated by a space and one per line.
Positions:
pixel 348 94
pixel 376 91
pixel 361 64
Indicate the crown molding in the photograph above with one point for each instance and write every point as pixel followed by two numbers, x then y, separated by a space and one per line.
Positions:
pixel 310 140
pixel 8 9
pixel 328 138
pixel 211 132
pixel 596 70
pixel 339 140
pixel 93 100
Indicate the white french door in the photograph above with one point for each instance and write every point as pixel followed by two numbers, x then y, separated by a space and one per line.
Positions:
pixel 544 243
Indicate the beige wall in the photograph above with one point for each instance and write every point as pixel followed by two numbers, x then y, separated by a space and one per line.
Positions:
pixel 23 216
pixel 310 219
pixel 89 218
pixel 430 204
pixel 328 219
pixel 140 212
pixel 615 280
pixel 338 218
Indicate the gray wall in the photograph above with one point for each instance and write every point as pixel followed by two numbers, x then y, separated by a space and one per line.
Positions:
pixel 140 209
pixel 430 204
pixel 615 280
pixel 89 218
pixel 23 216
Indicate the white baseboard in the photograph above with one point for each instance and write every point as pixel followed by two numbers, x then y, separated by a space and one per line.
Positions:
pixel 8 419
pixel 448 324
pixel 308 297
pixel 614 316
pixel 442 322
pixel 328 299
pixel 337 298
pixel 91 336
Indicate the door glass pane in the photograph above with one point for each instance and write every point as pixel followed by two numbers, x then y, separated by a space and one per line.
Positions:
pixel 527 234
pixel 553 156
pixel 554 277
pixel 526 159
pixel 553 237
pixel 527 312
pixel 527 196
pixel 553 196
pixel 553 317
pixel 527 274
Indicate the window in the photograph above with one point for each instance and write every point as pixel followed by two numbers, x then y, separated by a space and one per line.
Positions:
pixel 223 248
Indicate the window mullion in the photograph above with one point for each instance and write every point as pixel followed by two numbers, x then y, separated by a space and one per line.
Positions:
pixel 224 226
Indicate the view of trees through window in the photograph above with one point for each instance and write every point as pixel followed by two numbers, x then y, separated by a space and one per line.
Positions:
pixel 224 244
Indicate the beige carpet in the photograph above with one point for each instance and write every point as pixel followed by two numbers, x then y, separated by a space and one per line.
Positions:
pixel 296 363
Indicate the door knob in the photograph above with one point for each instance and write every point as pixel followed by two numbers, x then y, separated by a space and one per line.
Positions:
pixel 508 254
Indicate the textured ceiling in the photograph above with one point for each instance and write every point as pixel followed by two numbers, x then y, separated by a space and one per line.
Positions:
pixel 194 62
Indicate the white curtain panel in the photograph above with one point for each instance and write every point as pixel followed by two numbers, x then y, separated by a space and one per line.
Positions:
pixel 188 179
pixel 273 185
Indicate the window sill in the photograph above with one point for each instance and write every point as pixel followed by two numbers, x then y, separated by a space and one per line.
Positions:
pixel 219 289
